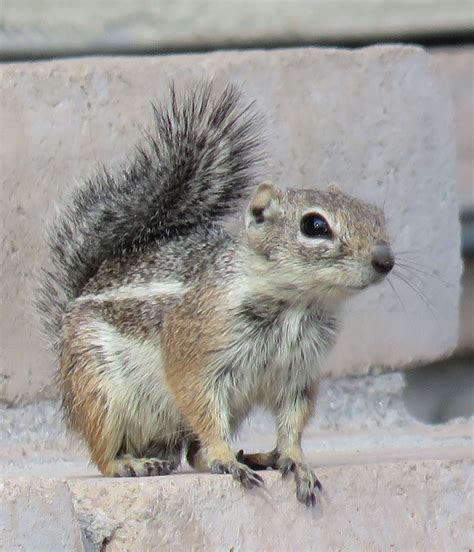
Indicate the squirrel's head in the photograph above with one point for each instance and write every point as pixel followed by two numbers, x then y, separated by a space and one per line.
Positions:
pixel 323 243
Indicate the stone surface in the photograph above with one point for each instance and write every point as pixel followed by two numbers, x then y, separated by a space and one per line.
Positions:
pixel 400 506
pixel 37 515
pixel 405 505
pixel 456 65
pixel 33 26
pixel 374 120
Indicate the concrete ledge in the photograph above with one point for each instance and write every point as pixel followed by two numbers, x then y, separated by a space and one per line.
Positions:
pixel 411 505
pixel 363 508
pixel 375 120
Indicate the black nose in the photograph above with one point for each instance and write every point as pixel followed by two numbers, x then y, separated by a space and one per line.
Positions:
pixel 382 258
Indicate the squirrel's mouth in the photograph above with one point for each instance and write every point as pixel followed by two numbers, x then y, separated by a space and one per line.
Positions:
pixel 357 288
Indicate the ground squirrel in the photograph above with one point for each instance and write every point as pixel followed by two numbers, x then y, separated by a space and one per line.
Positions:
pixel 169 328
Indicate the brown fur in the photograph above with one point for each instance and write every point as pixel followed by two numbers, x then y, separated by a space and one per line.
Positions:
pixel 85 403
pixel 141 319
pixel 191 333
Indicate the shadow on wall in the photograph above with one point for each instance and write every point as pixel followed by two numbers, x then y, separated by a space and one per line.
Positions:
pixel 441 391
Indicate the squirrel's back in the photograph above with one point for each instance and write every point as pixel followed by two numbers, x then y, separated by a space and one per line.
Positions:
pixel 192 170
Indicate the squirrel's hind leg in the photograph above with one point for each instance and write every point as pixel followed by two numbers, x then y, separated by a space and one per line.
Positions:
pixel 128 466
pixel 120 438
pixel 156 459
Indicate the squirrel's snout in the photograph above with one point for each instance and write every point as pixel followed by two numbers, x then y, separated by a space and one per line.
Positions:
pixel 382 258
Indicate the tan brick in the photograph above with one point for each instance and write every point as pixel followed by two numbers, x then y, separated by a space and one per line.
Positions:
pixel 374 120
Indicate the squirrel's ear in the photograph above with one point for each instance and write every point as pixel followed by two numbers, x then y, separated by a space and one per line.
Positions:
pixel 334 189
pixel 264 203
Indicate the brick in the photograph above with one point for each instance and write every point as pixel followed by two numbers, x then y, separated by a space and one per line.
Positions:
pixel 376 121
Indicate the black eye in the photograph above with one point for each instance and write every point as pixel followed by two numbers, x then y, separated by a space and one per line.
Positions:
pixel 315 226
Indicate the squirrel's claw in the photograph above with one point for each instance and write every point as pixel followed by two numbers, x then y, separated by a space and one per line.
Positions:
pixel 305 478
pixel 140 467
pixel 240 472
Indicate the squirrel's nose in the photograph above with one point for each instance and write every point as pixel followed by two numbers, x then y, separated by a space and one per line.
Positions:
pixel 382 258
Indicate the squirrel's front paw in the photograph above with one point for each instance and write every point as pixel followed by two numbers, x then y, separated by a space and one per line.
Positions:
pixel 240 472
pixel 305 479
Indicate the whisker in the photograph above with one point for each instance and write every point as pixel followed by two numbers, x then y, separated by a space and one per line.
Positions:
pixel 414 263
pixel 436 315
pixel 427 268
pixel 409 252
pixel 422 271
pixel 397 295
pixel 413 268
pixel 413 277
pixel 387 189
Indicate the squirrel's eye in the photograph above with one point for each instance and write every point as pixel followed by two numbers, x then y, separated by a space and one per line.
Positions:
pixel 315 226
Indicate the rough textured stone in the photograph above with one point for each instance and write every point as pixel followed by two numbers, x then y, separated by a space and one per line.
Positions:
pixel 37 515
pixel 30 26
pixel 405 505
pixel 400 506
pixel 374 120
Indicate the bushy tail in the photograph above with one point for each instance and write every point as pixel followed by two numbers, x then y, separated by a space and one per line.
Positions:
pixel 194 168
